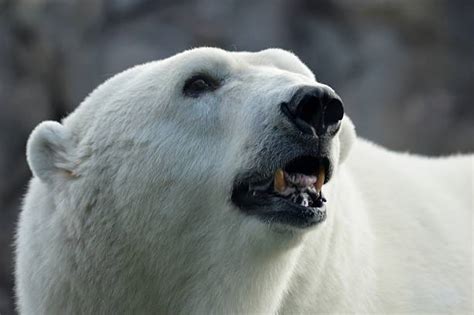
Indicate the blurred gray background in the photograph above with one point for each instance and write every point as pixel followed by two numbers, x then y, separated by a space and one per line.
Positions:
pixel 405 69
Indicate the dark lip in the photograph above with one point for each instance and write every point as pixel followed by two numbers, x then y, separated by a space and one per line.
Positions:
pixel 272 208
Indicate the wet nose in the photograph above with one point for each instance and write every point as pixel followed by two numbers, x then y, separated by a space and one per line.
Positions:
pixel 315 110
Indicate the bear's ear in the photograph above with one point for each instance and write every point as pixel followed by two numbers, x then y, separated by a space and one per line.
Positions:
pixel 347 137
pixel 50 151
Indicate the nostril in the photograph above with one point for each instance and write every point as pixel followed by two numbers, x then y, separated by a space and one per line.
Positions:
pixel 334 112
pixel 309 110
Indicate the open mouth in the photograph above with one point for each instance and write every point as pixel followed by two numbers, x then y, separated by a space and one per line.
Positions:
pixel 292 196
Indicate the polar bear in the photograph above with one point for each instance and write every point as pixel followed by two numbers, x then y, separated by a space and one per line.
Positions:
pixel 217 182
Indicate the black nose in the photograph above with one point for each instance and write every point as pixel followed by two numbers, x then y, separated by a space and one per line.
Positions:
pixel 315 110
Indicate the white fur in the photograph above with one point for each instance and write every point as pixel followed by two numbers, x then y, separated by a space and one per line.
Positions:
pixel 129 212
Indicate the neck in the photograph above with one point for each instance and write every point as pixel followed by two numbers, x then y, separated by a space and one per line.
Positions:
pixel 246 271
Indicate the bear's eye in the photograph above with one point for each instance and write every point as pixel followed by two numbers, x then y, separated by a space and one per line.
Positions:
pixel 198 84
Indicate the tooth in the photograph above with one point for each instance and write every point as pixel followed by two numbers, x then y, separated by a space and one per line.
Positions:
pixel 320 181
pixel 279 182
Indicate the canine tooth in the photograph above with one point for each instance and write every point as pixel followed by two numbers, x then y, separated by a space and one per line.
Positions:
pixel 320 181
pixel 279 182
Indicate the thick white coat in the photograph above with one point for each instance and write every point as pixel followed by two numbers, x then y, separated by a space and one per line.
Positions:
pixel 128 211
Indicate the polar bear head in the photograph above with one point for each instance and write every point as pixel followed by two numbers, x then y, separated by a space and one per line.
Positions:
pixel 175 167
pixel 204 137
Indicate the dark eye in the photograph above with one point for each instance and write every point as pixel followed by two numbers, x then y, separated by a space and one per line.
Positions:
pixel 198 84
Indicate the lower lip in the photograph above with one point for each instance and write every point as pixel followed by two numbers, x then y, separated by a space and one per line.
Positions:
pixel 302 217
pixel 278 210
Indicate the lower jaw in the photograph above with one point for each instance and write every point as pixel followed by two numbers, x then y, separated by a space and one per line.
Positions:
pixel 284 213
pixel 275 210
